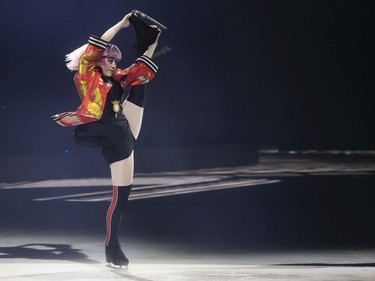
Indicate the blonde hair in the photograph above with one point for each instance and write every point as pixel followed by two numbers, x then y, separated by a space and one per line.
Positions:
pixel 72 59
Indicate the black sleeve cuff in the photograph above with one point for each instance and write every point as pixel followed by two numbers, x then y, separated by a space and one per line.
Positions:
pixel 147 61
pixel 97 42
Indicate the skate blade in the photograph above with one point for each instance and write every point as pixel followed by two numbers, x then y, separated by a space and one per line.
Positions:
pixel 150 19
pixel 114 266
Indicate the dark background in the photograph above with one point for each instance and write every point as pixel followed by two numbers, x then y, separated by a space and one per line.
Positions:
pixel 268 74
pixel 280 74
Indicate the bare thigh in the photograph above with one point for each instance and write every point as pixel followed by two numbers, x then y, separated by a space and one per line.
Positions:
pixel 134 115
pixel 122 172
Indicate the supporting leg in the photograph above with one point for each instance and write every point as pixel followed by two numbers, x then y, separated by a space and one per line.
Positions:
pixel 122 179
pixel 114 254
pixel 122 172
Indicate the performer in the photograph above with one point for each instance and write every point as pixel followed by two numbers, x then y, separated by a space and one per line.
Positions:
pixel 114 122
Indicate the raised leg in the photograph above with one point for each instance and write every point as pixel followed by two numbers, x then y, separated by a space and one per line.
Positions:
pixel 133 108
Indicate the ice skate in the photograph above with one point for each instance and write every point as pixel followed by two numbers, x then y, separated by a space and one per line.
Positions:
pixel 145 34
pixel 116 258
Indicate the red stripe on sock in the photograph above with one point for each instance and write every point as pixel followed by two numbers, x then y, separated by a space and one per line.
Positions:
pixel 111 208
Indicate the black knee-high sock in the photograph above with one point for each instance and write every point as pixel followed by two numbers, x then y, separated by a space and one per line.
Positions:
pixel 119 198
pixel 137 95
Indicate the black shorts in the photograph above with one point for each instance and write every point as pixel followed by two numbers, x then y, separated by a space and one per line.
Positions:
pixel 115 138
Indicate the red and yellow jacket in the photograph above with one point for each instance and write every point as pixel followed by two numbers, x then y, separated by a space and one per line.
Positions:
pixel 89 82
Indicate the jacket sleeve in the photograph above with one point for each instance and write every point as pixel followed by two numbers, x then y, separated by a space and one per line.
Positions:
pixel 140 72
pixel 91 56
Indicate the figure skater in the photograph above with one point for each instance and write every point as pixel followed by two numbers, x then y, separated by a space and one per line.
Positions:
pixel 114 121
